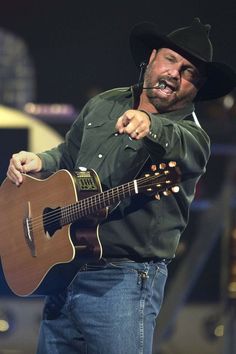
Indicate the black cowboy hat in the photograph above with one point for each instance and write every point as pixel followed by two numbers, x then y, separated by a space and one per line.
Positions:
pixel 191 42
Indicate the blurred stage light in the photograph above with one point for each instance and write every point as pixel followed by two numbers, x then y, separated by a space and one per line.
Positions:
pixel 228 101
pixel 55 109
pixel 219 331
pixel 6 322
pixel 4 326
pixel 213 327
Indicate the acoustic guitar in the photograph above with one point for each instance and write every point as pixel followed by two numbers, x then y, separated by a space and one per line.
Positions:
pixel 49 227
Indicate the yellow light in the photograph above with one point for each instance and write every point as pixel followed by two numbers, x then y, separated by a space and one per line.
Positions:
pixel 219 331
pixel 4 325
pixel 228 101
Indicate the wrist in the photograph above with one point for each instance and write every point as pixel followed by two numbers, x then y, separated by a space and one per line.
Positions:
pixel 147 114
pixel 149 118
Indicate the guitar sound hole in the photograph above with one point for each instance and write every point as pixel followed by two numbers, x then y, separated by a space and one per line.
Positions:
pixel 51 220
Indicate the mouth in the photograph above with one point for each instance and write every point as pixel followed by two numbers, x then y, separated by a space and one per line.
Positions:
pixel 166 87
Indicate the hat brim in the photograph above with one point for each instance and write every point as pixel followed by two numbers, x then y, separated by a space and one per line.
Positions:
pixel 221 79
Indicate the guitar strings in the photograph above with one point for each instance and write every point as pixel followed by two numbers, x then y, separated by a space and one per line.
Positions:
pixel 85 205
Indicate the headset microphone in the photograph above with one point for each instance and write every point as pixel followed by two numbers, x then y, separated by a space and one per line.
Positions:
pixel 160 85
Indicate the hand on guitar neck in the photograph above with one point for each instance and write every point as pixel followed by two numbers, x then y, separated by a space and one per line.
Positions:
pixel 23 162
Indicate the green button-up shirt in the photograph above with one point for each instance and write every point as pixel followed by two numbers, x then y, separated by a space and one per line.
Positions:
pixel 140 226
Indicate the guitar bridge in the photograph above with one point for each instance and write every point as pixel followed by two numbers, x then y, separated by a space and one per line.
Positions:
pixel 28 231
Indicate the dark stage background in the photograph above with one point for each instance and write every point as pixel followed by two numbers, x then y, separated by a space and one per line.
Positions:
pixel 77 45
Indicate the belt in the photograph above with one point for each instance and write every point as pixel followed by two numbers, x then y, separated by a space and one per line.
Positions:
pixel 105 260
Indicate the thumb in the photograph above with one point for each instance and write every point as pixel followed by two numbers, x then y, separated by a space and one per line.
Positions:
pixel 32 163
pixel 29 166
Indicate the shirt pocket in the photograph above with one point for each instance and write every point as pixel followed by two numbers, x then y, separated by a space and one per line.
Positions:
pixel 95 123
pixel 131 144
pixel 129 158
pixel 96 132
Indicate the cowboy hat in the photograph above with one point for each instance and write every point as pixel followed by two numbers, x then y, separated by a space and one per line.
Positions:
pixel 191 42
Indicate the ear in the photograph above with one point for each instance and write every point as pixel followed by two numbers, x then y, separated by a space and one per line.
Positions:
pixel 152 56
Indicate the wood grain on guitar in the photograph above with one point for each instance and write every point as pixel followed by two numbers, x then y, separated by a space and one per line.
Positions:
pixel 49 227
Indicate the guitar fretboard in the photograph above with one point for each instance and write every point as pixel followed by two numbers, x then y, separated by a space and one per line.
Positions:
pixel 93 204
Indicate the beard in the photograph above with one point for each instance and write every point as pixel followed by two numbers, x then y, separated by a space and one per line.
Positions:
pixel 162 104
pixel 169 102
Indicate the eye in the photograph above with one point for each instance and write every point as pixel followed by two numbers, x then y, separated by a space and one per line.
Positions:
pixel 189 72
pixel 169 58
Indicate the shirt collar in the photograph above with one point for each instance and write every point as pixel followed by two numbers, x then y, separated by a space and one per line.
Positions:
pixel 180 113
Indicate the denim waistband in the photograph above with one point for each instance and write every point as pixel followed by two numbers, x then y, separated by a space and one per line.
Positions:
pixel 105 260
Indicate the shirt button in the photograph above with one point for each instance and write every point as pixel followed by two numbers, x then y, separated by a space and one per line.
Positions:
pixel 116 134
pixel 100 156
pixel 89 124
pixel 167 144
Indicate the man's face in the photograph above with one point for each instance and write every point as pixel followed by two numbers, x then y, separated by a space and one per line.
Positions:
pixel 181 80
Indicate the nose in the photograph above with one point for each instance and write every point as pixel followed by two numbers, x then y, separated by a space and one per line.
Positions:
pixel 174 72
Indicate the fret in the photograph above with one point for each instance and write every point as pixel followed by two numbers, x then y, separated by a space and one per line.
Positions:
pixel 91 205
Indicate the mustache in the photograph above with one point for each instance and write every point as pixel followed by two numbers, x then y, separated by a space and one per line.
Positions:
pixel 163 83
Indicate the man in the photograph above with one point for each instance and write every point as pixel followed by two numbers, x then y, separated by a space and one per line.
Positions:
pixel 112 304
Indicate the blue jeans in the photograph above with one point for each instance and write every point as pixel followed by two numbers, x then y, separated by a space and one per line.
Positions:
pixel 107 309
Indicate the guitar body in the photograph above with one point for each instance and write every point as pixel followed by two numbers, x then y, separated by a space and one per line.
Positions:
pixel 49 227
pixel 40 257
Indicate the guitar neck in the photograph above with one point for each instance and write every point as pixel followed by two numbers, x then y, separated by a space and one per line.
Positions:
pixel 160 180
pixel 91 205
